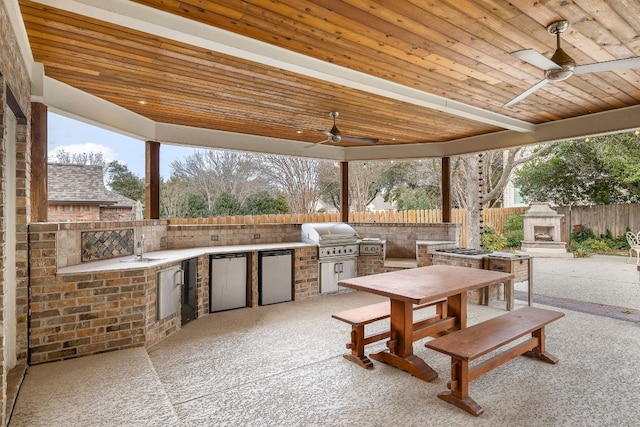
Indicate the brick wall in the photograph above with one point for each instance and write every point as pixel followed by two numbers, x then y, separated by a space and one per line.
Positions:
pixel 73 213
pixel 475 296
pixel 199 235
pixel 116 214
pixel 401 238
pixel 14 76
pixel 370 264
pixel 305 267
pixel 81 314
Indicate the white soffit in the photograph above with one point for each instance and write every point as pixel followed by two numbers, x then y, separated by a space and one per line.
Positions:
pixel 71 102
pixel 152 21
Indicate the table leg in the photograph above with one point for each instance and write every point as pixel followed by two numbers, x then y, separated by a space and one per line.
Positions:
pixel 508 294
pixel 457 307
pixel 400 353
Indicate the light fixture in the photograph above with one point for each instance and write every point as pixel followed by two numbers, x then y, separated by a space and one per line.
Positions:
pixel 586 139
pixel 142 102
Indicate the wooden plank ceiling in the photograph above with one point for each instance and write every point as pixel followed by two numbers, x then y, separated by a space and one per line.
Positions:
pixel 459 50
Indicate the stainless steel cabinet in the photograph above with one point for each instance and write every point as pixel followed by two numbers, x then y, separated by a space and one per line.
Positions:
pixel 275 277
pixel 333 271
pixel 168 286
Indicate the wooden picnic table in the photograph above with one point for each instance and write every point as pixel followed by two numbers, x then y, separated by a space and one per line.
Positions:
pixel 404 288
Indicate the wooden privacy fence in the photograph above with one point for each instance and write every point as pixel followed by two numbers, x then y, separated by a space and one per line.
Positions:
pixel 495 217
pixel 602 218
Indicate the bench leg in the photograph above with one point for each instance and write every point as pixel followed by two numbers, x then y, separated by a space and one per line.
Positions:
pixel 540 352
pixel 459 388
pixel 357 348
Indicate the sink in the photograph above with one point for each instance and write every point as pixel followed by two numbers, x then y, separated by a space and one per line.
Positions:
pixel 143 259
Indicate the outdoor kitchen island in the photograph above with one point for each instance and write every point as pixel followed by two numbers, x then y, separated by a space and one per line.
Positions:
pixel 88 295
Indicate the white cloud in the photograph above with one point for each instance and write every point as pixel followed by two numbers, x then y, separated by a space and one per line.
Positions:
pixel 88 147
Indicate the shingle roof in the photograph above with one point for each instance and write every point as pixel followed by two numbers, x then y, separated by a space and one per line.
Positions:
pixel 80 184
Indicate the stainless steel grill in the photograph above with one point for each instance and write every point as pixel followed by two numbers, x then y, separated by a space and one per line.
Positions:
pixel 338 247
pixel 334 239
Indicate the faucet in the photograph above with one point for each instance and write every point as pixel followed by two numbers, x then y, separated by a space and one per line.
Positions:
pixel 140 245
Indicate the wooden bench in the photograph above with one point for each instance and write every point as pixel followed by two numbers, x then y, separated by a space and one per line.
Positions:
pixel 471 343
pixel 361 316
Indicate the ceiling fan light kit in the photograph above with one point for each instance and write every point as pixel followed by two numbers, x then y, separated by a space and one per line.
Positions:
pixel 561 66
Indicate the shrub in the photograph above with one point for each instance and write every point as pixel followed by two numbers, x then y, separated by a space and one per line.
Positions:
pixel 582 235
pixel 513 230
pixel 596 245
pixel 581 253
pixel 492 240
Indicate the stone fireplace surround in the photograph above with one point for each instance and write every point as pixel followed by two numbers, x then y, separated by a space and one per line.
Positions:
pixel 542 226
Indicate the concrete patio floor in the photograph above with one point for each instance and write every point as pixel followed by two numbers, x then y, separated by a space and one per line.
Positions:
pixel 282 365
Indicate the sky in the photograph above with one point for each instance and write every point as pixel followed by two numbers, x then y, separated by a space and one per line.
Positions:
pixel 74 136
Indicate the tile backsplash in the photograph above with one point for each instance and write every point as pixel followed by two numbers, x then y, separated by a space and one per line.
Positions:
pixel 105 244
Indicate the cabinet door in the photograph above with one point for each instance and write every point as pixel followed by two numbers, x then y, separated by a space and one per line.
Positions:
pixel 168 283
pixel 228 283
pixel 329 272
pixel 347 270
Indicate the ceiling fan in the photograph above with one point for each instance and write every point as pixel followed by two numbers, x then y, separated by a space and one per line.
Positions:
pixel 561 66
pixel 334 136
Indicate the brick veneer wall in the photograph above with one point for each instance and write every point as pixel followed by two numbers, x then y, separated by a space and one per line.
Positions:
pixel 401 238
pixel 116 214
pixel 475 296
pixel 370 264
pixel 73 213
pixel 14 75
pixel 305 267
pixel 80 314
pixel 202 235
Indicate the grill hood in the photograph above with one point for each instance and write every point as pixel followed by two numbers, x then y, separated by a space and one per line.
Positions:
pixel 328 233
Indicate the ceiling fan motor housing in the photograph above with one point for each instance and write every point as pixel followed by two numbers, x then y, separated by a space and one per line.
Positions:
pixel 566 63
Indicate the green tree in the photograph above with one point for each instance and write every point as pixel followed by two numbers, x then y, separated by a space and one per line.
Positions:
pixel 124 182
pixel 602 170
pixel 226 204
pixel 196 206
pixel 262 203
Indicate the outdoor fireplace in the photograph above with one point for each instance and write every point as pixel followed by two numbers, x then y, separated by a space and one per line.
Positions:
pixel 542 226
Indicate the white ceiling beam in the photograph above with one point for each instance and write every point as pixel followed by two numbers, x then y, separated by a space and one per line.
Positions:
pixel 71 102
pixel 17 25
pixel 152 21
pixel 606 122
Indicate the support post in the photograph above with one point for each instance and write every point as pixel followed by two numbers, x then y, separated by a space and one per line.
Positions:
pixel 446 189
pixel 152 178
pixel 344 191
pixel 39 195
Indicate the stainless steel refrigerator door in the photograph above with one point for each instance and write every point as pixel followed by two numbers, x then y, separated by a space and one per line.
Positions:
pixel 168 286
pixel 275 277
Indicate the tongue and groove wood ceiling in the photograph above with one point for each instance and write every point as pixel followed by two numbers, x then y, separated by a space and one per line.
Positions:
pixel 382 64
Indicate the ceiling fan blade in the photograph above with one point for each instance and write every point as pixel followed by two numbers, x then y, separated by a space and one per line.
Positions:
pixel 526 93
pixel 361 140
pixel 536 59
pixel 326 132
pixel 616 64
pixel 313 144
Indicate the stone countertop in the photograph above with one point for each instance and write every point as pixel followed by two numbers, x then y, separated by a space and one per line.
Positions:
pixel 172 256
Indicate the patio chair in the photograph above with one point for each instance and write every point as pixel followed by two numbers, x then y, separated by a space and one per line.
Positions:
pixel 634 245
